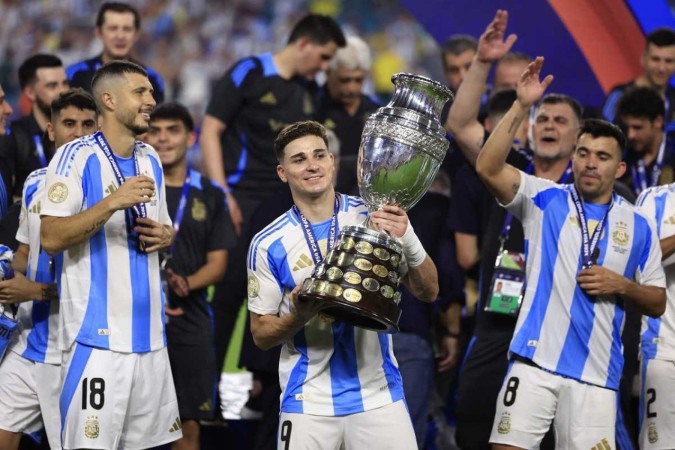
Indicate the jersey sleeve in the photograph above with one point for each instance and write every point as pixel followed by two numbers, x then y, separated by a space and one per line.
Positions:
pixel 531 196
pixel 227 98
pixel 265 293
pixel 65 196
pixel 650 271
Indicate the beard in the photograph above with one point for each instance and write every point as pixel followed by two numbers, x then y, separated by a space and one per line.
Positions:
pixel 43 107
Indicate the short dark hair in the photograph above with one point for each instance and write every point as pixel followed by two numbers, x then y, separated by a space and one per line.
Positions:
pixel 173 111
pixel 641 102
pixel 115 68
pixel 501 101
pixel 295 131
pixel 601 128
pixel 319 29
pixel 555 99
pixel 77 97
pixel 117 7
pixel 458 44
pixel 28 69
pixel 661 37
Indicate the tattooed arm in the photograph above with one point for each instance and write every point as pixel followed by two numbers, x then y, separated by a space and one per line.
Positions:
pixel 500 178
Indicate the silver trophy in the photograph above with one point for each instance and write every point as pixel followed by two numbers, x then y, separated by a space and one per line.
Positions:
pixel 402 147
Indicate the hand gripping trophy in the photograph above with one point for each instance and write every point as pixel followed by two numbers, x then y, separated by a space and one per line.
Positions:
pixel 402 147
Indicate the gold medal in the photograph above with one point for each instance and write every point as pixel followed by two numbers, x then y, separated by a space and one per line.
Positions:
pixel 345 259
pixel 363 264
pixel 371 284
pixel 352 278
pixel 352 295
pixel 387 291
pixel 380 271
pixel 381 254
pixel 333 274
pixel 319 286
pixel 334 290
pixel 331 257
pixel 364 247
pixel 395 259
pixel 347 243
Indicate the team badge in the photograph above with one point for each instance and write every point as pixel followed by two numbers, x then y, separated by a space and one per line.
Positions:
pixel 58 192
pixel 504 426
pixel 253 286
pixel 652 434
pixel 198 210
pixel 91 429
pixel 620 235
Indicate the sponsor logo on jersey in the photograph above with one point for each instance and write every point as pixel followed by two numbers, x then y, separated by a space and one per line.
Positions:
pixel 269 99
pixel 602 445
pixel 176 426
pixel 303 262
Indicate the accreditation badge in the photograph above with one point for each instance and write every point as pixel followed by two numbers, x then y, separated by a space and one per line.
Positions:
pixel 508 284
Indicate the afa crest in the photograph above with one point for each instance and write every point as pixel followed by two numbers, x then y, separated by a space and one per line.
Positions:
pixel 91 429
pixel 652 434
pixel 620 235
pixel 504 426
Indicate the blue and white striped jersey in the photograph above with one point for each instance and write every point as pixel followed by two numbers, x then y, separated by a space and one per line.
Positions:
pixel 110 292
pixel 38 319
pixel 560 327
pixel 658 335
pixel 329 368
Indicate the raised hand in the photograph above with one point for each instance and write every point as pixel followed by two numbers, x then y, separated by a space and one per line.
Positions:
pixel 134 190
pixel 491 44
pixel 529 88
pixel 392 219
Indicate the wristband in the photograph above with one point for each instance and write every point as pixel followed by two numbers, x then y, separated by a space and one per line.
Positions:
pixel 412 247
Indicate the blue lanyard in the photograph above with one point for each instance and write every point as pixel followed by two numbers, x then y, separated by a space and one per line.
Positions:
pixel 180 211
pixel 309 233
pixel 139 210
pixel 588 243
pixel 564 178
pixel 40 150
pixel 639 171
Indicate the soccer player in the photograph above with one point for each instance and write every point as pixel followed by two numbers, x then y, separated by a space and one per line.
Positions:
pixel 5 111
pixel 340 384
pixel 197 259
pixel 118 27
pixel 30 374
pixel 105 210
pixel 658 335
pixel 586 245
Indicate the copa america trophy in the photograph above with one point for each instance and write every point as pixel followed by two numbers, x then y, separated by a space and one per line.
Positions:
pixel 402 147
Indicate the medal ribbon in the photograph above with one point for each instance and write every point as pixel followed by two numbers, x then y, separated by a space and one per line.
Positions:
pixel 309 233
pixel 588 243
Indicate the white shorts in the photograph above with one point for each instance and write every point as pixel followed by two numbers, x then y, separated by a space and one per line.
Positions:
pixel 384 428
pixel 657 405
pixel 29 396
pixel 117 400
pixel 583 416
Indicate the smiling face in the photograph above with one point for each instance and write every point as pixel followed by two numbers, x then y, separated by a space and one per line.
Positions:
pixel 307 167
pixel 171 139
pixel 345 86
pixel 134 102
pixel 659 64
pixel 596 164
pixel 554 131
pixel 118 34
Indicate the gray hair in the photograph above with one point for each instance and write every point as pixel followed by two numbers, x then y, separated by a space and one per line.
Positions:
pixel 354 56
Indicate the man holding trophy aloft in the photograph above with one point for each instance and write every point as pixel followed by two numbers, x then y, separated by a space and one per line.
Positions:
pixel 340 382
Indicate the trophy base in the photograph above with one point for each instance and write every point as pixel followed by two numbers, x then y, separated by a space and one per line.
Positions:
pixel 359 280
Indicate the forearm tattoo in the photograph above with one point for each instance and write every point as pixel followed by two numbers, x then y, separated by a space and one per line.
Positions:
pixel 94 228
